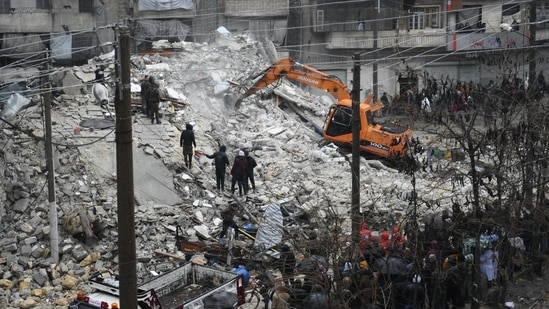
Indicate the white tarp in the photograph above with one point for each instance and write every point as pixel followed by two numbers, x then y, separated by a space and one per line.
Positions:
pixel 269 233
pixel 15 103
pixel 164 5
pixel 61 46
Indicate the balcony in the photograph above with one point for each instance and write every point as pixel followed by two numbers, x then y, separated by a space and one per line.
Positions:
pixel 257 8
pixel 386 39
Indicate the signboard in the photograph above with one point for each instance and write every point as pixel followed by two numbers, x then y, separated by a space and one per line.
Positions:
pixel 491 41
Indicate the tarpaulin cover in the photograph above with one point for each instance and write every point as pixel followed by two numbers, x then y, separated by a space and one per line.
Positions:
pixel 164 5
pixel 15 45
pixel 270 230
pixel 77 47
pixel 15 103
pixel 61 44
pixel 160 29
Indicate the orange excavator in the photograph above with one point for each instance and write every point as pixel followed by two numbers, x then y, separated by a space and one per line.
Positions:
pixel 390 140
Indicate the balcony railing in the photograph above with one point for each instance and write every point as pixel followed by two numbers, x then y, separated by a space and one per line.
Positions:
pixel 386 39
pixel 453 42
pixel 254 8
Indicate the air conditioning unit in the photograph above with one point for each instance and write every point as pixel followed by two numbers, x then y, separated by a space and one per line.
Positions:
pixel 319 20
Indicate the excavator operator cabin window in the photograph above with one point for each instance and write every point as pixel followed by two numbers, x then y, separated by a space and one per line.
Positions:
pixel 340 122
pixel 343 116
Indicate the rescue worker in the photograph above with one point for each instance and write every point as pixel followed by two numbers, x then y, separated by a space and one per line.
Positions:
pixel 153 98
pixel 238 173
pixel 221 161
pixel 249 179
pixel 187 141
pixel 100 74
pixel 144 88
pixel 228 220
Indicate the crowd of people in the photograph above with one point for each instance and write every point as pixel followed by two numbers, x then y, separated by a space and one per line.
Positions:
pixel 431 268
pixel 456 96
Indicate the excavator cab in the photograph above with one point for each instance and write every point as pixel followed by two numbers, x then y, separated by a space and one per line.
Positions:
pixel 387 140
pixel 340 121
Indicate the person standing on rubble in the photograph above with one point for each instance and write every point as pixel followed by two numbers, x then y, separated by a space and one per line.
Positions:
pixel 249 179
pixel 100 74
pixel 144 88
pixel 221 162
pixel 228 220
pixel 153 98
pixel 187 141
pixel 239 172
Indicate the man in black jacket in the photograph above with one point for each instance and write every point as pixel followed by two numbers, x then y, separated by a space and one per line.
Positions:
pixel 221 162
pixel 250 173
pixel 187 141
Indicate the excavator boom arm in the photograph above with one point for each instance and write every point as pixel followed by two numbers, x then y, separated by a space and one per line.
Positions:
pixel 295 71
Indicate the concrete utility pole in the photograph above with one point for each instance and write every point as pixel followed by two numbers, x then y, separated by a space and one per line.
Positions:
pixel 355 164
pixel 532 104
pixel 54 233
pixel 124 171
pixel 375 65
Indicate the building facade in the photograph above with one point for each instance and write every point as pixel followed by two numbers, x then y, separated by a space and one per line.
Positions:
pixel 409 41
pixel 404 41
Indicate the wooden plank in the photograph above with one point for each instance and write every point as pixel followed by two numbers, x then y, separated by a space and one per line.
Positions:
pixel 175 256
pixel 179 102
pixel 86 224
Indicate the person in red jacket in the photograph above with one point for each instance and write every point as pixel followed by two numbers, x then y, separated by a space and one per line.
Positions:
pixel 397 239
pixel 238 173
pixel 365 237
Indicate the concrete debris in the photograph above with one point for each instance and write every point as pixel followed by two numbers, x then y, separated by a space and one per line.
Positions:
pixel 293 162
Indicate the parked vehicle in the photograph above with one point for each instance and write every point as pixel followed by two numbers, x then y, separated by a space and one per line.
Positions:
pixel 188 286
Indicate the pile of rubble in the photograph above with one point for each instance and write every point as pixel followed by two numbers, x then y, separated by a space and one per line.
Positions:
pixel 295 166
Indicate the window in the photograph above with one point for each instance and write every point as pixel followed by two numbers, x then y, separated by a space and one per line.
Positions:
pixel 510 9
pixel 424 17
pixel 85 6
pixel 345 15
pixel 542 14
pixel 469 19
pixel 42 4
pixel 319 20
pixel 5 6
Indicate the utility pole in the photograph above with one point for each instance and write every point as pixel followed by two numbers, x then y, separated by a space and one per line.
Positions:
pixel 124 171
pixel 532 105
pixel 54 233
pixel 375 65
pixel 355 164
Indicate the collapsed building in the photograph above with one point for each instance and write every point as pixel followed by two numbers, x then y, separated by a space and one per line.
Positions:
pixel 307 180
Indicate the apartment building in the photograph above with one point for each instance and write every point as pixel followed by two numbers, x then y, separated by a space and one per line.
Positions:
pixel 403 41
pixel 408 41
pixel 74 30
